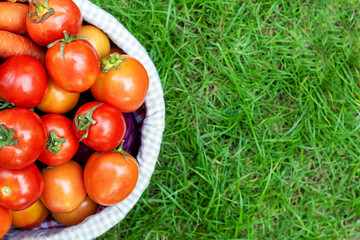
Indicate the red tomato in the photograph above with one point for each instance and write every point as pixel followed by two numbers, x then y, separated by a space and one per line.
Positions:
pixel 5 220
pixel 110 177
pixel 30 217
pixel 76 68
pixel 20 188
pixel 64 189
pixel 62 143
pixel 123 83
pixel 46 20
pixel 87 208
pixel 23 137
pixel 99 126
pixel 23 81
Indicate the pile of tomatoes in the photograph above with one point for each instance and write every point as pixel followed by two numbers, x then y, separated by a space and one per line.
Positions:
pixel 77 96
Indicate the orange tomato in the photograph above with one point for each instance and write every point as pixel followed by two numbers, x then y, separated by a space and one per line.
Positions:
pixel 5 220
pixel 57 100
pixel 116 49
pixel 87 208
pixel 122 82
pixel 30 217
pixel 110 177
pixel 97 38
pixel 64 189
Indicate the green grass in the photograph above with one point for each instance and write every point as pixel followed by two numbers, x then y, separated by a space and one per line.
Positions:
pixel 262 136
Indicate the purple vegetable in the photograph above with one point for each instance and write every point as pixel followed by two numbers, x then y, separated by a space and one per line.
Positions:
pixel 83 154
pixel 132 135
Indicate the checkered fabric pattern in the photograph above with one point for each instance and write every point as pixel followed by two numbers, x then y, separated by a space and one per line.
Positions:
pixel 151 137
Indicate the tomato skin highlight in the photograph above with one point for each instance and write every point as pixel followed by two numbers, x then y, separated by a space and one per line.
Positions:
pixel 87 208
pixel 30 217
pixel 66 16
pixel 20 188
pixel 64 189
pixel 109 178
pixel 79 69
pixel 56 100
pixel 23 81
pixel 125 87
pixel 109 129
pixel 31 135
pixel 5 220
pixel 62 126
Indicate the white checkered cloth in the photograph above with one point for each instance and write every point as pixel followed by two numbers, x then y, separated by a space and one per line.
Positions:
pixel 151 137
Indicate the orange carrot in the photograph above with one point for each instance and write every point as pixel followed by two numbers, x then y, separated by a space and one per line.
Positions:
pixel 13 17
pixel 12 44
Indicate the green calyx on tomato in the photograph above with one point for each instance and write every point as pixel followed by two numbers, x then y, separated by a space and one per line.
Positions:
pixel 42 11
pixel 65 41
pixel 5 104
pixel 5 191
pixel 121 151
pixel 6 137
pixel 113 61
pixel 84 121
pixel 54 142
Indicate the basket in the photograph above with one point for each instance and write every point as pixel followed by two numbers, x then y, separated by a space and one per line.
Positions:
pixel 151 136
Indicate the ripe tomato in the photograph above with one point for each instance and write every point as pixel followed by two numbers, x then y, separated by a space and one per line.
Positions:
pixel 57 100
pixel 97 38
pixel 122 82
pixel 30 217
pixel 87 208
pixel 64 189
pixel 116 49
pixel 110 177
pixel 5 220
pixel 20 188
pixel 23 137
pixel 46 20
pixel 62 143
pixel 99 126
pixel 23 81
pixel 74 69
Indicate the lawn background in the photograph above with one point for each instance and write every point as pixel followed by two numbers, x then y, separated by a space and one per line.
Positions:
pixel 262 119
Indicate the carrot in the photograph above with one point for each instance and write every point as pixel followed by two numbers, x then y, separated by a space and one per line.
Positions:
pixel 13 17
pixel 12 44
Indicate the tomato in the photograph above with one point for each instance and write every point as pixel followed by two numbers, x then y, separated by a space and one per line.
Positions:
pixel 57 100
pixel 20 188
pixel 116 49
pixel 109 177
pixel 23 137
pixel 97 38
pixel 62 143
pixel 87 208
pixel 30 217
pixel 5 220
pixel 122 82
pixel 99 126
pixel 23 81
pixel 46 20
pixel 75 69
pixel 64 189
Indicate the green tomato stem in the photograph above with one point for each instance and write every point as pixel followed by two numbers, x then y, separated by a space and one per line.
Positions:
pixel 5 104
pixel 42 11
pixel 6 191
pixel 113 61
pixel 67 39
pixel 84 121
pixel 54 142
pixel 7 137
